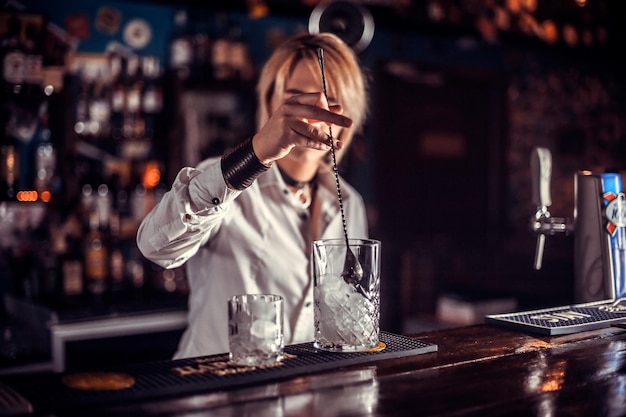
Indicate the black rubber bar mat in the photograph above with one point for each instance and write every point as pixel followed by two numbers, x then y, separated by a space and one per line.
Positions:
pixel 564 319
pixel 156 380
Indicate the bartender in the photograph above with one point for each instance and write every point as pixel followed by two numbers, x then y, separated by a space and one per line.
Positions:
pixel 244 222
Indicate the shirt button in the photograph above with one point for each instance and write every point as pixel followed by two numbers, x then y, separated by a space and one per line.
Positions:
pixel 215 201
pixel 187 216
pixel 307 304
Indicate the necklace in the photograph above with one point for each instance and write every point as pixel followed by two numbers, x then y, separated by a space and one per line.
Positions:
pixel 303 192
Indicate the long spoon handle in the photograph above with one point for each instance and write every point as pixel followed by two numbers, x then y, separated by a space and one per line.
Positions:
pixel 320 59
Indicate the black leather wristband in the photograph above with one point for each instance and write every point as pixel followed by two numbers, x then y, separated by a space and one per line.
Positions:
pixel 241 166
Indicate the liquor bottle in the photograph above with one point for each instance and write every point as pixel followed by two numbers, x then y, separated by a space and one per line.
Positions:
pixel 9 166
pixel 220 58
pixel 136 270
pixel 133 127
pixel 139 203
pixel 121 199
pixel 99 107
pixel 202 51
pixel 239 57
pixel 25 263
pixel 13 58
pixel 71 264
pixel 87 202
pixel 119 241
pixel 117 68
pixel 33 60
pixel 116 263
pixel 152 96
pixel 95 258
pixel 103 207
pixel 45 162
pixel 48 274
pixel 81 111
pixel 49 250
pixel 181 46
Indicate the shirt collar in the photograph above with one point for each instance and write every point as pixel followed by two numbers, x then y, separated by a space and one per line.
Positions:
pixel 325 180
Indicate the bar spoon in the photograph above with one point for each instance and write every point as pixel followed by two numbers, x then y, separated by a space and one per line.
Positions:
pixel 352 270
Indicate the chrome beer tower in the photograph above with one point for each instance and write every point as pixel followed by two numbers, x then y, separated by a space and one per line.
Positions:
pixel 598 226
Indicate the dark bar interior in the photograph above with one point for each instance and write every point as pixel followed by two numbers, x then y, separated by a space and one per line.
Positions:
pixel 493 132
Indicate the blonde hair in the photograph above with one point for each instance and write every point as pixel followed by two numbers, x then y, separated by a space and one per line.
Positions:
pixel 344 78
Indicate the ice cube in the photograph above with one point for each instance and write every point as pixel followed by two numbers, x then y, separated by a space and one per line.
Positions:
pixel 263 309
pixel 264 329
pixel 344 315
pixel 331 281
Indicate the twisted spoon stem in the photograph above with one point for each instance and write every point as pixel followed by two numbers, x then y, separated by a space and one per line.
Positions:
pixel 320 59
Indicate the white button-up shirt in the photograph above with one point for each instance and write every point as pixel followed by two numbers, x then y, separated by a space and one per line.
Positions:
pixel 243 242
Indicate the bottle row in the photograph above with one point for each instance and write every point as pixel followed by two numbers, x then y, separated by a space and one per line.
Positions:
pixel 76 148
pixel 87 254
pixel 21 53
pixel 110 121
pixel 96 270
pixel 204 50
pixel 118 101
pixel 28 153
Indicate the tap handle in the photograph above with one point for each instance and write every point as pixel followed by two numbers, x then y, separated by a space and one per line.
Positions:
pixel 541 171
pixel 539 250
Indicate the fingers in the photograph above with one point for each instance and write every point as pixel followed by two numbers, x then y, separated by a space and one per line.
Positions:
pixel 301 120
pixel 309 135
pixel 313 108
pixel 312 137
pixel 336 109
pixel 312 115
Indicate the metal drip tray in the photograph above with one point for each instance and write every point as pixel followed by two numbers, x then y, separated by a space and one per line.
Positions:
pixel 152 380
pixel 564 319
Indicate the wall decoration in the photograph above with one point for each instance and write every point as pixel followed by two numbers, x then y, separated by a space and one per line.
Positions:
pixel 108 20
pixel 77 25
pixel 137 33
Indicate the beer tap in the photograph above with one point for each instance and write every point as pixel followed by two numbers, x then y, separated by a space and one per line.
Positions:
pixel 542 223
pixel 599 226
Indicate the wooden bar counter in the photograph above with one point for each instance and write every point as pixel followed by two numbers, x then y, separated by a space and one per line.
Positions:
pixel 482 370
